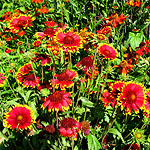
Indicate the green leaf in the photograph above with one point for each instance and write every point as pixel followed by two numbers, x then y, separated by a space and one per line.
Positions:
pixel 86 102
pixel 116 132
pixel 135 39
pixel 27 96
pixel 93 143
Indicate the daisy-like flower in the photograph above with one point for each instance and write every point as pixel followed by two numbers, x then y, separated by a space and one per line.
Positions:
pixel 44 10
pixel 115 19
pixel 69 40
pixel 25 69
pixel 69 127
pixel 28 80
pixel 143 48
pixel 134 146
pixel 86 62
pixel 132 96
pixel 37 43
pixel 124 67
pixel 105 30
pixel 57 101
pixel 108 51
pixel 137 3
pixel 55 50
pixel 19 23
pixel 19 117
pixel 45 59
pixel 2 79
pixel 64 79
pixel 130 2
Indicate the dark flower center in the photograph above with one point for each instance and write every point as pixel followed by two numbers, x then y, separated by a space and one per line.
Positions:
pixel 63 77
pixel 30 77
pixel 68 40
pixel 21 23
pixel 123 63
pixel 56 97
pixel 21 119
pixel 132 98
pixel 106 52
pixel 49 31
pixel 87 61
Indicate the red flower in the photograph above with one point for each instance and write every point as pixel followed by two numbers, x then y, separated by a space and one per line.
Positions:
pixel 44 85
pixel 124 67
pixel 2 79
pixel 45 59
pixel 86 62
pixel 144 48
pixel 64 79
pixel 132 97
pixel 25 69
pixel 19 117
pixel 57 101
pixel 115 19
pixel 137 3
pixel 69 127
pixel 54 50
pixel 50 129
pixel 28 80
pixel 135 146
pixel 19 23
pixel 8 51
pixel 37 43
pixel 105 30
pixel 130 2
pixel 85 126
pixel 108 98
pixel 108 51
pixel 69 40
pixel 50 23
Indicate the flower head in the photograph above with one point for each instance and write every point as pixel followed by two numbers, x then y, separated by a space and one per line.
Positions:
pixel 85 126
pixel 57 101
pixel 69 40
pixel 37 1
pixel 124 67
pixel 50 129
pixel 69 127
pixel 132 97
pixel 86 62
pixel 19 117
pixel 147 104
pixel 115 19
pixel 108 51
pixel 64 79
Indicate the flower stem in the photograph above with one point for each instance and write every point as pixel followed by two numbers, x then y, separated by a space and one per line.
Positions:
pixel 53 75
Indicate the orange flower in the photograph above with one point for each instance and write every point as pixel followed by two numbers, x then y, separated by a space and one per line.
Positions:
pixel 115 19
pixel 124 66
pixel 137 3
pixel 37 1
pixel 37 43
pixel 2 79
pixel 43 10
pixel 130 2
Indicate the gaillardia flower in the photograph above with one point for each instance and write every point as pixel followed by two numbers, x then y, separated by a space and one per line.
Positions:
pixel 19 117
pixel 86 62
pixel 25 69
pixel 69 127
pixel 2 79
pixel 69 40
pixel 115 19
pixel 108 51
pixel 57 101
pixel 85 127
pixel 132 97
pixel 147 104
pixel 64 79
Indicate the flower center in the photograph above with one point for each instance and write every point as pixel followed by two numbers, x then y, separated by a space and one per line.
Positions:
pixel 63 76
pixel 138 135
pixel 123 63
pixel 20 119
pixel 114 16
pixel 49 31
pixel 21 23
pixel 132 98
pixel 30 77
pixel 87 61
pixel 56 97
pixel 106 52
pixel 68 123
pixel 68 40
